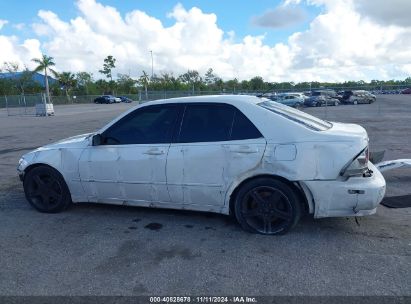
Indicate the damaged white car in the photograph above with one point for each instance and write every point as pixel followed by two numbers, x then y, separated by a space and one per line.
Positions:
pixel 261 161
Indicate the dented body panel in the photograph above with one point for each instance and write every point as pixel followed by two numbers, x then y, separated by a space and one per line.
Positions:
pixel 203 176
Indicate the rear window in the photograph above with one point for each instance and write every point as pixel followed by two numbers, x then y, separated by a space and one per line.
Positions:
pixel 300 117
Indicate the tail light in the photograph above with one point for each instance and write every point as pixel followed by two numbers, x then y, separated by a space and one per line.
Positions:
pixel 358 165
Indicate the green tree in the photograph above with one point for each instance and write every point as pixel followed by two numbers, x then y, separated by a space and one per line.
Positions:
pixel 68 81
pixel 210 78
pixel 191 77
pixel 44 64
pixel 21 81
pixel 256 83
pixel 232 84
pixel 125 83
pixel 84 81
pixel 108 66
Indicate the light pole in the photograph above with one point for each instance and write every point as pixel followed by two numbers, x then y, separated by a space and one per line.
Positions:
pixel 152 65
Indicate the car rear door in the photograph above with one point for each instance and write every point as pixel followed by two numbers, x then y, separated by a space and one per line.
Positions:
pixel 129 166
pixel 215 144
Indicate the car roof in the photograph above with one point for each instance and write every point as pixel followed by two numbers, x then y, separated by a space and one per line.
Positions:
pixel 230 99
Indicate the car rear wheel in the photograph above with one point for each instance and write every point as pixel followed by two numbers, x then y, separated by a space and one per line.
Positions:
pixel 46 190
pixel 267 206
pixel 335 103
pixel 355 102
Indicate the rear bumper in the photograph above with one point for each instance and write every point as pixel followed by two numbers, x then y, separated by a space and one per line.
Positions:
pixel 356 196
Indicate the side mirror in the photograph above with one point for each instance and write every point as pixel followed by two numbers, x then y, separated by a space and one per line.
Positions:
pixel 97 140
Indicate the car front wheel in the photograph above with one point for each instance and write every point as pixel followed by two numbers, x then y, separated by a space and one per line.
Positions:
pixel 267 206
pixel 46 190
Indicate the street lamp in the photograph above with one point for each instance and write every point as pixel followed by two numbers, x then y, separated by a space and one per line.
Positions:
pixel 152 65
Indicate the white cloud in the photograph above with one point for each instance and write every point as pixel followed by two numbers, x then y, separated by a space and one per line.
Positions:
pixel 22 53
pixel 280 17
pixel 344 44
pixel 3 23
pixel 19 26
pixel 340 44
pixel 392 12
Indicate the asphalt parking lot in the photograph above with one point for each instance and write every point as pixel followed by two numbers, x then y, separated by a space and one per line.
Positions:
pixel 110 250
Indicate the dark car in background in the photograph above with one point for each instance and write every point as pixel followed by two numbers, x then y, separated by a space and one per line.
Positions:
pixel 322 98
pixel 357 97
pixel 107 99
pixel 406 91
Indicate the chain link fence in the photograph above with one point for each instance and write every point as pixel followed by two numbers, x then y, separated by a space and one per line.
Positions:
pixel 18 105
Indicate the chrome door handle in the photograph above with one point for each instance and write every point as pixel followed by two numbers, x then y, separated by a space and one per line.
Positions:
pixel 154 151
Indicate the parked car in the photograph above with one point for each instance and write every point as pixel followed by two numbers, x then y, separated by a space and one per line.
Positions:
pixel 107 99
pixel 125 99
pixel 406 91
pixel 322 98
pixel 263 162
pixel 357 96
pixel 103 99
pixel 295 100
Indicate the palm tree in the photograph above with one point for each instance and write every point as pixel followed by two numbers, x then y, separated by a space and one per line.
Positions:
pixel 144 79
pixel 45 63
pixel 68 81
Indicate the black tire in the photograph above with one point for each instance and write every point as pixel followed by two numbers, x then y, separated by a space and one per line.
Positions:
pixel 318 104
pixel 267 206
pixel 46 190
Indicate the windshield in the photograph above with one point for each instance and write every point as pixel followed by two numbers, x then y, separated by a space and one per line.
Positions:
pixel 300 117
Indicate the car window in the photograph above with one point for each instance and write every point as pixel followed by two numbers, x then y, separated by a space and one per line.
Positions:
pixel 206 123
pixel 243 128
pixel 148 125
pixel 300 117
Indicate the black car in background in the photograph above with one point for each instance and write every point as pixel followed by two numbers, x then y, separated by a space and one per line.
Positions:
pixel 107 99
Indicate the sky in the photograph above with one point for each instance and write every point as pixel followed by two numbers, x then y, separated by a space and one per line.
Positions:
pixel 279 40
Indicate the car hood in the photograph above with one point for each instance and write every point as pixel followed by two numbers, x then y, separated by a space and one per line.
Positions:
pixel 78 141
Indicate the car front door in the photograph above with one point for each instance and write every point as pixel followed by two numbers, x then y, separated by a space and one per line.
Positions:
pixel 128 167
pixel 215 144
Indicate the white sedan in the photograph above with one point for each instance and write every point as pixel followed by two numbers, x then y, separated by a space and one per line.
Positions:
pixel 263 162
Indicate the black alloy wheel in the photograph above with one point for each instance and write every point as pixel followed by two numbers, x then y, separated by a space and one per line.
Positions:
pixel 267 206
pixel 46 190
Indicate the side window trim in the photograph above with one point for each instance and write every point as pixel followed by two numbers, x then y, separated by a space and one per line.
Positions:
pixel 232 123
pixel 179 122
